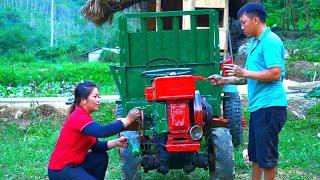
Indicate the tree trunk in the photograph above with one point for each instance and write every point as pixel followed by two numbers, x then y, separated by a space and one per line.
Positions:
pixel 285 15
pixel 307 18
pixel 51 24
pixel 293 15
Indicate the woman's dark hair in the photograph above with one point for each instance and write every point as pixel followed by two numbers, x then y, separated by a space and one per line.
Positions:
pixel 81 91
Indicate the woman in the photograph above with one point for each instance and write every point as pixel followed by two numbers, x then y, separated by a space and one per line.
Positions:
pixel 71 158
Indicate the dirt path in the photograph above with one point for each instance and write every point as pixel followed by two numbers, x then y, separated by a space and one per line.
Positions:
pixel 14 107
pixel 22 110
pixel 297 103
pixel 57 102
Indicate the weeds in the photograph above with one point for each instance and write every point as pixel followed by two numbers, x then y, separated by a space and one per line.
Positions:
pixel 42 79
pixel 26 150
pixel 304 49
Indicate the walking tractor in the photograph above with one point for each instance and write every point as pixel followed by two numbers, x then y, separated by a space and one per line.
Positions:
pixel 186 121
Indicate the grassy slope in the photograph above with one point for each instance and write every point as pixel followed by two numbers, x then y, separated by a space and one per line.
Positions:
pixel 25 151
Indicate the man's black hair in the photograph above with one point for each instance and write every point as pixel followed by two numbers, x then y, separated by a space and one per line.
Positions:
pixel 252 10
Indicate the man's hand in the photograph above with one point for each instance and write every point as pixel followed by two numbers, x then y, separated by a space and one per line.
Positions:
pixel 217 79
pixel 245 156
pixel 234 70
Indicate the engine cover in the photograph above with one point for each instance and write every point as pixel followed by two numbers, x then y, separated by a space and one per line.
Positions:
pixel 179 139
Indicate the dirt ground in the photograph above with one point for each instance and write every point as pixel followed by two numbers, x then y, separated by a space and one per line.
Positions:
pixel 303 71
pixel 24 115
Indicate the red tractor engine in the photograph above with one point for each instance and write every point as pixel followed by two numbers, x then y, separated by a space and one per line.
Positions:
pixel 187 112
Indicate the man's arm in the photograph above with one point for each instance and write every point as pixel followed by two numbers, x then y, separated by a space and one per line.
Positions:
pixel 271 74
pixel 237 81
pixel 239 75
pixel 220 80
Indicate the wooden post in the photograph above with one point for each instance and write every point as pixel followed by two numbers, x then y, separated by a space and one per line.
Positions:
pixel 158 5
pixel 158 9
pixel 226 28
pixel 188 5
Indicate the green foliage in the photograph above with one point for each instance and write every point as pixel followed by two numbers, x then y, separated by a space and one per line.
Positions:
pixel 106 113
pixel 41 78
pixel 57 54
pixel 306 49
pixel 8 17
pixel 108 56
pixel 285 13
pixel 302 55
pixel 26 148
pixel 25 27
pixel 314 111
pixel 299 145
pixel 16 35
pixel 3 91
pixel 273 18
pixel 50 53
pixel 23 58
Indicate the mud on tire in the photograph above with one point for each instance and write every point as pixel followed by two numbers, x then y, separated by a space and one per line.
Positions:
pixel 232 112
pixel 220 151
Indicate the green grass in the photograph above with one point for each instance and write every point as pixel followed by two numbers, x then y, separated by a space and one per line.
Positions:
pixel 41 78
pixel 25 150
pixel 305 49
pixel 299 147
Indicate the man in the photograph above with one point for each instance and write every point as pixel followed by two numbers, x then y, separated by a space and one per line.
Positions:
pixel 263 72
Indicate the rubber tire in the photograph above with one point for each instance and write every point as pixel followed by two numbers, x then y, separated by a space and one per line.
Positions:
pixel 232 112
pixel 130 165
pixel 221 158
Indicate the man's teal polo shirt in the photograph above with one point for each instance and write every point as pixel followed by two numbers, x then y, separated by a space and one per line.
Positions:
pixel 265 52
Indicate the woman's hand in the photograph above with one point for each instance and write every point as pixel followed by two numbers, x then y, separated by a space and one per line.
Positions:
pixel 119 142
pixel 122 142
pixel 134 115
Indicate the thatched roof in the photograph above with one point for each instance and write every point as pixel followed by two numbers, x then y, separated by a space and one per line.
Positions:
pixel 101 11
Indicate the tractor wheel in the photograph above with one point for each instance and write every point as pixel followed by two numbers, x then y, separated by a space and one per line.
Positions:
pixel 232 111
pixel 130 165
pixel 220 150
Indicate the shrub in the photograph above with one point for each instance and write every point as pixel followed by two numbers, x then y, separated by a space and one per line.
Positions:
pixel 50 53
pixel 314 112
pixel 45 79
pixel 19 57
pixel 108 56
pixel 17 35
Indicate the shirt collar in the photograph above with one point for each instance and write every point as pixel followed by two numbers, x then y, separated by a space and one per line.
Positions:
pixel 82 109
pixel 264 34
pixel 255 42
